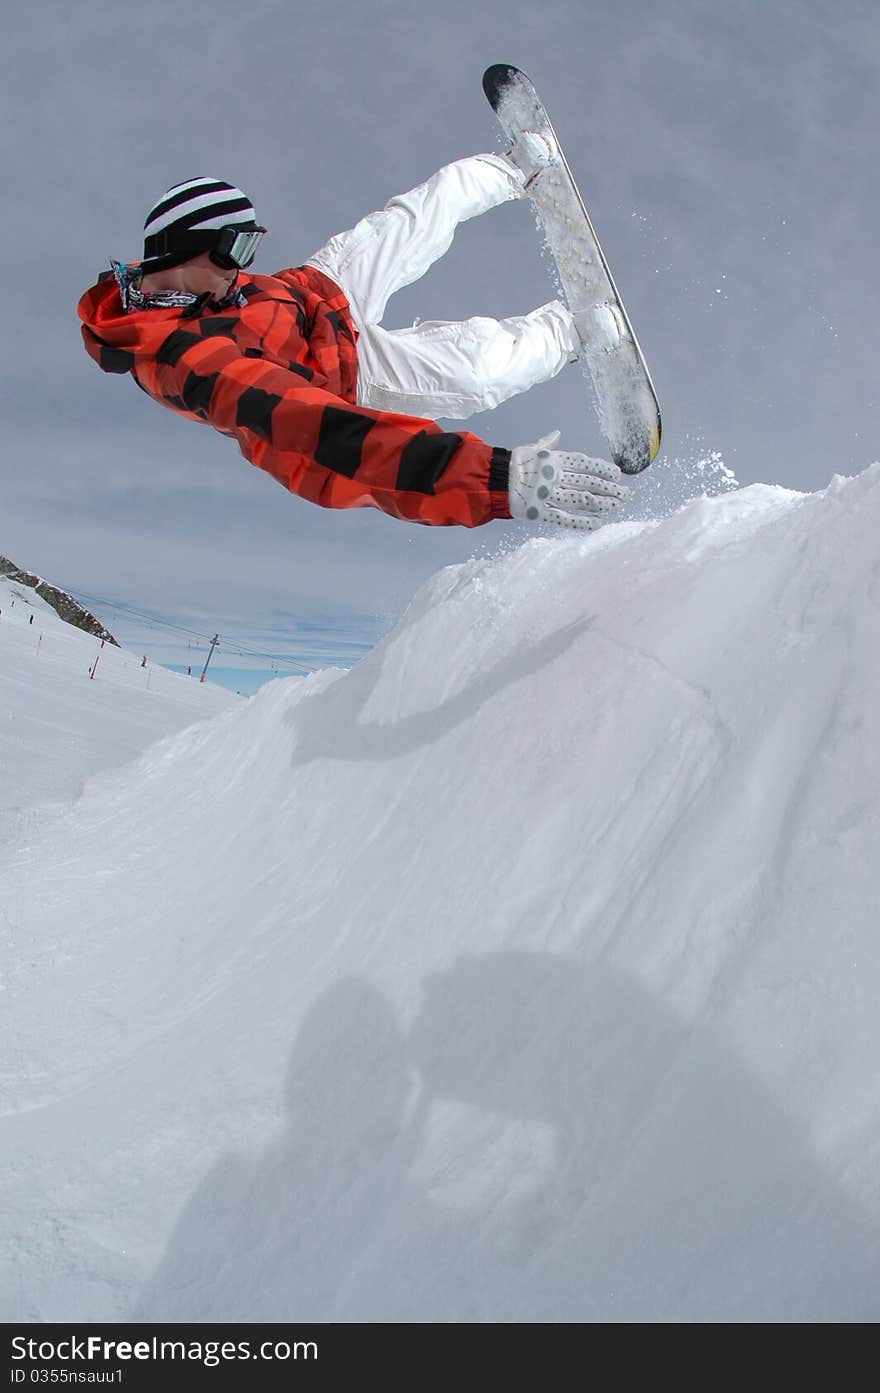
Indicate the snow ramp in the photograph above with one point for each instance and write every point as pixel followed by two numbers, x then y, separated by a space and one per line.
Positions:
pixel 527 971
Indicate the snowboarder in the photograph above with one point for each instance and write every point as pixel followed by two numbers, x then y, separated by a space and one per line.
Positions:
pixel 297 368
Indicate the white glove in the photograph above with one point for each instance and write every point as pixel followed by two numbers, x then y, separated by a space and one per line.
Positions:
pixel 568 490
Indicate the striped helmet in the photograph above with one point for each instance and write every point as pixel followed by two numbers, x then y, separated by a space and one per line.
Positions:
pixel 187 218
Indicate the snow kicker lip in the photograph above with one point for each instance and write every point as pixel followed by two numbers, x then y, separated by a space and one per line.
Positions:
pixel 629 412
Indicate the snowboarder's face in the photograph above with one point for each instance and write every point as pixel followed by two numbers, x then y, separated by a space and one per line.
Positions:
pixel 199 274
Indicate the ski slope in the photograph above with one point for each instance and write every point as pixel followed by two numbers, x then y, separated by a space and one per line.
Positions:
pixel 527 971
pixel 71 706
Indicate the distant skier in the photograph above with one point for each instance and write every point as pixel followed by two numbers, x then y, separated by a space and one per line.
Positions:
pixel 298 370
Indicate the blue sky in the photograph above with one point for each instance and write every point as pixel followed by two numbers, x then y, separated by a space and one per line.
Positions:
pixel 727 155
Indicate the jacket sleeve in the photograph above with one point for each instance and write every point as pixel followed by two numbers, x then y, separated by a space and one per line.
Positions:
pixel 328 450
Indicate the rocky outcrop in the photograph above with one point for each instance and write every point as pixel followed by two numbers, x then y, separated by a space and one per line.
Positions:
pixel 63 604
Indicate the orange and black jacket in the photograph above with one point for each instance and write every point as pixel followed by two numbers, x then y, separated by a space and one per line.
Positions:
pixel 279 375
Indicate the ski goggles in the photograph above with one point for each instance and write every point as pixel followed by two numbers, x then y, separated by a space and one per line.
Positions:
pixel 236 247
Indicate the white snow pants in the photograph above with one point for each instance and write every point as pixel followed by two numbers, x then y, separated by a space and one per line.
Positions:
pixel 438 369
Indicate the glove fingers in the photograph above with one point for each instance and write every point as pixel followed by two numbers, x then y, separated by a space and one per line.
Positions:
pixel 576 522
pixel 585 464
pixel 608 488
pixel 582 501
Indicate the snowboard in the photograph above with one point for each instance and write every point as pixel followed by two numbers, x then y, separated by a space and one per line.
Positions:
pixel 629 413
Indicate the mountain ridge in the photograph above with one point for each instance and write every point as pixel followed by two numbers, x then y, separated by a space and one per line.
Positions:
pixel 64 605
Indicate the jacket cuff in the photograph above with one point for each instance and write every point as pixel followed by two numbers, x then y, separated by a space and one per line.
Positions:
pixel 499 471
pixel 499 483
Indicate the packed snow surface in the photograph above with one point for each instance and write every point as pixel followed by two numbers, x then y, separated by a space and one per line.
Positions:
pixel 527 971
